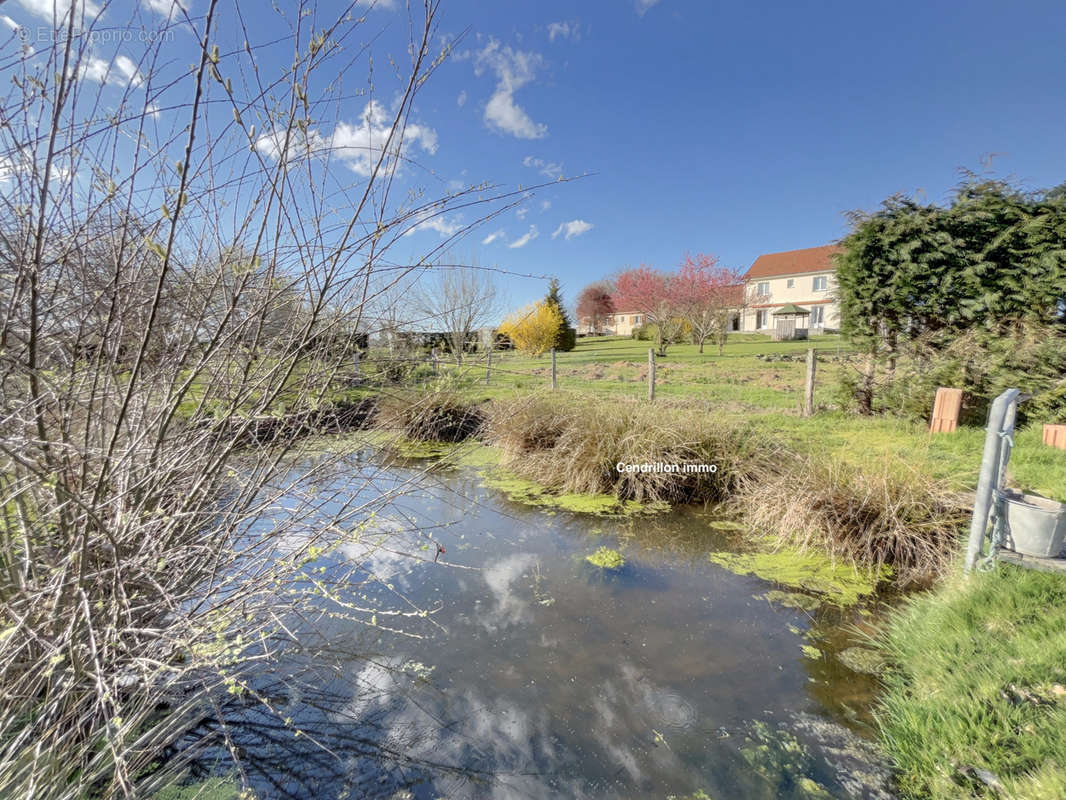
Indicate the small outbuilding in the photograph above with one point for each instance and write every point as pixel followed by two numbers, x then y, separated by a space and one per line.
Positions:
pixel 790 323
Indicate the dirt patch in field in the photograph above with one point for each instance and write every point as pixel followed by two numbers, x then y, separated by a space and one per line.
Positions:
pixel 592 372
pixel 661 375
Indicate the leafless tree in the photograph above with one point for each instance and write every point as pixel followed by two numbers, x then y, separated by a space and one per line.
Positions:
pixel 458 301
pixel 183 265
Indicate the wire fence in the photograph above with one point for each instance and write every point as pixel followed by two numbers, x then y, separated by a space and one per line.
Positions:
pixel 518 370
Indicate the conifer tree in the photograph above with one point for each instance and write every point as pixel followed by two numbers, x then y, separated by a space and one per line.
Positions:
pixel 566 338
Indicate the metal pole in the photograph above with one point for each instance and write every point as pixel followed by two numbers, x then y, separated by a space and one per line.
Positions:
pixel 651 374
pixel 808 391
pixel 553 369
pixel 1000 415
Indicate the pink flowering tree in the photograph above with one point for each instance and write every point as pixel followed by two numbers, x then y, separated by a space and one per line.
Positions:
pixel 653 294
pixel 707 297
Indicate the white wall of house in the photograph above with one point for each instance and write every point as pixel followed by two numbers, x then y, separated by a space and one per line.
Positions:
pixel 815 291
pixel 622 323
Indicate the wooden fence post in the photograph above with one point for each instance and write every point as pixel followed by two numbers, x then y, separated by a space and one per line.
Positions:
pixel 1055 436
pixel 808 389
pixel 488 368
pixel 651 374
pixel 946 409
pixel 553 370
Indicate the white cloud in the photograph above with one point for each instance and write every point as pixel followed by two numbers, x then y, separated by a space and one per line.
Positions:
pixel 129 71
pixel 574 227
pixel 521 212
pixel 167 8
pixel 643 6
pixel 563 30
pixel 492 237
pixel 501 577
pixel 10 166
pixel 436 221
pixel 461 99
pixel 545 205
pixel 513 69
pixel 548 169
pixel 120 72
pixel 93 69
pixel 57 10
pixel 525 238
pixel 300 145
pixel 358 145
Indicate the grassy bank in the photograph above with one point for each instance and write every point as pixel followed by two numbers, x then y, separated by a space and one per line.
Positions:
pixel 975 704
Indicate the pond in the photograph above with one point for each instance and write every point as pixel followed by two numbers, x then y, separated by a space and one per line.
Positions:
pixel 465 647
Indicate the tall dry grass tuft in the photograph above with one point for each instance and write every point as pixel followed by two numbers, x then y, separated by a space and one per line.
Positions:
pixel 887 517
pixel 430 416
pixel 572 444
pixel 892 516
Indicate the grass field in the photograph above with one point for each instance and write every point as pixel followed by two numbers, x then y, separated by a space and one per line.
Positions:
pixel 976 702
pixel 737 380
pixel 768 393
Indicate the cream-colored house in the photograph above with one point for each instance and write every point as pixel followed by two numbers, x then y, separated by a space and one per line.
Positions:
pixel 622 323
pixel 805 278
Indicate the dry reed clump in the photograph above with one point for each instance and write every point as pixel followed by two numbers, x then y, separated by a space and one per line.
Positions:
pixel 436 416
pixel 880 517
pixel 887 517
pixel 576 446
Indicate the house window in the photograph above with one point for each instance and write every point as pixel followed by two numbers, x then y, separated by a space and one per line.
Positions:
pixel 761 319
pixel 636 320
pixel 817 316
pixel 791 282
pixel 764 288
pixel 821 283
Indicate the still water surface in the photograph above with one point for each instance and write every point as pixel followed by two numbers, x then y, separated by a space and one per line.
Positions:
pixel 536 674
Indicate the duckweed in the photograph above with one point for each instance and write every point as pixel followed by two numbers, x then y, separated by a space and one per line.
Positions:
pixel 606 558
pixel 839 583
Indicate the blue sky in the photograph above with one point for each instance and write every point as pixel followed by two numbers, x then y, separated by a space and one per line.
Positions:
pixel 731 128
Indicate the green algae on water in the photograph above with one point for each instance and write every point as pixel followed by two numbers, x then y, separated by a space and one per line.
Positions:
pixel 726 525
pixel 839 583
pixel 394 443
pixel 862 659
pixel 793 600
pixel 414 449
pixel 811 651
pixel 783 763
pixel 606 558
pixel 531 493
pixel 476 455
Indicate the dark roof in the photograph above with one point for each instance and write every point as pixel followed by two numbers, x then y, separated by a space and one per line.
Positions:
pixel 792 262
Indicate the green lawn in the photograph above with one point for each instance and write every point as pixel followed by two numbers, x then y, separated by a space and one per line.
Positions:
pixel 618 366
pixel 976 698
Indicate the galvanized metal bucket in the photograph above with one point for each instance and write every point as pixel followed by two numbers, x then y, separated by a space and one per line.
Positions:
pixel 1035 526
